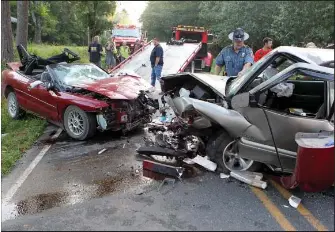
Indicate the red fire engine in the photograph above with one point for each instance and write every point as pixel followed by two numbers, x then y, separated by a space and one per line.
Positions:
pixel 128 34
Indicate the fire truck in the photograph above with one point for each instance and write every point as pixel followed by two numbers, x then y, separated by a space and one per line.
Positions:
pixel 202 62
pixel 128 34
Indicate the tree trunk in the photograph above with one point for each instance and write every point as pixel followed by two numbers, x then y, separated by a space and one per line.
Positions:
pixel 7 54
pixel 22 23
pixel 37 24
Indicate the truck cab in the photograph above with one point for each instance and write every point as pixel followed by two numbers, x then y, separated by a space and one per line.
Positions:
pixel 128 34
pixel 192 34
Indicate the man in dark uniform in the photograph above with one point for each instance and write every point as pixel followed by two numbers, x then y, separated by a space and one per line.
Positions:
pixel 95 50
pixel 156 60
pixel 236 57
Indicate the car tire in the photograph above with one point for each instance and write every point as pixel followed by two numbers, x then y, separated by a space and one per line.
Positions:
pixel 215 148
pixel 13 107
pixel 79 124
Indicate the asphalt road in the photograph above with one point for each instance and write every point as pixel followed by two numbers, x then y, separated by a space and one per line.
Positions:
pixel 74 188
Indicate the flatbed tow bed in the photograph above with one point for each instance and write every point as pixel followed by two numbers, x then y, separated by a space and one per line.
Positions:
pixel 176 59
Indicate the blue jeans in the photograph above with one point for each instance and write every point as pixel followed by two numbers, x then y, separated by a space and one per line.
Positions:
pixel 156 74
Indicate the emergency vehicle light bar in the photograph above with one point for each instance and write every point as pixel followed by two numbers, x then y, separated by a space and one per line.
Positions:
pixel 118 26
pixel 189 28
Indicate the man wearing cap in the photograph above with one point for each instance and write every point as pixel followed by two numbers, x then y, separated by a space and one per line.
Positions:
pixel 156 60
pixel 236 57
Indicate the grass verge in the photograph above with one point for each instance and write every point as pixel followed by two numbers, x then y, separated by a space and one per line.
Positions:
pixel 21 134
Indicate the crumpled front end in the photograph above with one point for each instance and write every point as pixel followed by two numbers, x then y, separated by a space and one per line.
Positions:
pixel 126 115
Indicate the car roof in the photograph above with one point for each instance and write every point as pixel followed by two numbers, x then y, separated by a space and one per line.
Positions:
pixel 317 55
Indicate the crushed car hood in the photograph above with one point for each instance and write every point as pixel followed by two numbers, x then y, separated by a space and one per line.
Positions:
pixel 119 87
pixel 215 82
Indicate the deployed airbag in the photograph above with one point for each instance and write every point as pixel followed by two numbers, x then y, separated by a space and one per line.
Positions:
pixel 283 89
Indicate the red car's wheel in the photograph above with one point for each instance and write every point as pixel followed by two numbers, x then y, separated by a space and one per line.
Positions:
pixel 14 110
pixel 78 123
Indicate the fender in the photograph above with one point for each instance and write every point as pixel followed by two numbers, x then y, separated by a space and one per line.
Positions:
pixel 232 121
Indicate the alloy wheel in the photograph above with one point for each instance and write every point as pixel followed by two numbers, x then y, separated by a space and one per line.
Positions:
pixel 76 123
pixel 233 161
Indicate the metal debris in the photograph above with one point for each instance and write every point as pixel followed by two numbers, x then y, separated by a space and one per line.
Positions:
pixel 248 179
pixel 205 163
pixel 102 151
pixel 164 169
pixel 224 176
pixel 188 161
pixel 294 201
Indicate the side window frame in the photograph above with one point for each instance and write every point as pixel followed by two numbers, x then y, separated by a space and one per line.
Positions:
pixel 284 77
pixel 265 66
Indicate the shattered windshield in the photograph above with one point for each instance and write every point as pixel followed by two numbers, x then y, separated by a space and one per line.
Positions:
pixel 126 33
pixel 78 74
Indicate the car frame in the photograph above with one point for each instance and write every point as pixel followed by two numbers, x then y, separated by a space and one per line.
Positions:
pixel 119 102
pixel 234 126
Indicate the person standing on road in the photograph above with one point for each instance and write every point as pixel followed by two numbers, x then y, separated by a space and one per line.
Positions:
pixel 237 57
pixel 110 52
pixel 156 60
pixel 95 50
pixel 138 45
pixel 267 47
pixel 124 51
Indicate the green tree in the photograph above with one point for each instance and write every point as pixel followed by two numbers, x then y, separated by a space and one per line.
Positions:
pixel 96 15
pixel 22 23
pixel 122 17
pixel 300 22
pixel 44 22
pixel 7 54
pixel 254 17
pixel 160 16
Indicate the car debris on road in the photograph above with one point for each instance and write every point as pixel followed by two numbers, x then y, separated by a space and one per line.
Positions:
pixel 249 179
pixel 294 201
pixel 102 151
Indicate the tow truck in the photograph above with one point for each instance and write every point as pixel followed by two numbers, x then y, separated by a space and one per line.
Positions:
pixel 192 55
pixel 192 34
pixel 128 34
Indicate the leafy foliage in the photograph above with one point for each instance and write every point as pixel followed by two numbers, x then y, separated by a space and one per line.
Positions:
pixel 67 22
pixel 160 16
pixel 287 22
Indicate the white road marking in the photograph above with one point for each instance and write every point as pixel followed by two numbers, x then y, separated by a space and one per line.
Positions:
pixel 30 168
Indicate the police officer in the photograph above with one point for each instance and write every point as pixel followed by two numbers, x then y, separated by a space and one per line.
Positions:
pixel 236 57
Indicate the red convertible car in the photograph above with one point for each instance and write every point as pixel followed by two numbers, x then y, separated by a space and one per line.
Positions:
pixel 79 98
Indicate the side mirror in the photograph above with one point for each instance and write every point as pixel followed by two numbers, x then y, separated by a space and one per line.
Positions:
pixel 210 38
pixel 34 84
pixel 50 86
pixel 243 100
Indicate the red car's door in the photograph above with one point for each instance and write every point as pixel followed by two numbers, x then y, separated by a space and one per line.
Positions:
pixel 45 101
